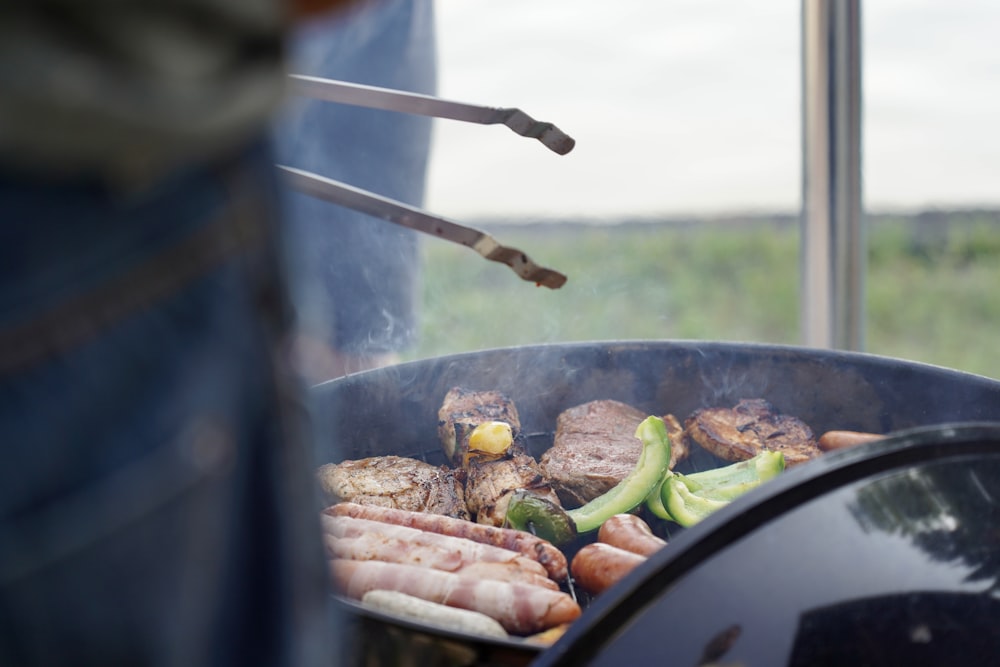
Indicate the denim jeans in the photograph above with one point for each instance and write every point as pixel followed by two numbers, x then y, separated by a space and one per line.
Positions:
pixel 362 279
pixel 156 506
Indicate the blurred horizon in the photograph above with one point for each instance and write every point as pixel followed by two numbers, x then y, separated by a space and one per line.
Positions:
pixel 692 108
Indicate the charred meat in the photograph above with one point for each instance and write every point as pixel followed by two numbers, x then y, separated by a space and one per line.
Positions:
pixel 490 483
pixel 753 425
pixel 595 447
pixel 680 446
pixel 463 409
pixel 397 482
pixel 491 476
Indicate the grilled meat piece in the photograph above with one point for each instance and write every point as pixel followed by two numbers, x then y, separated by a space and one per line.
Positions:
pixel 490 480
pixel 395 481
pixel 680 445
pixel 753 425
pixel 463 409
pixel 595 447
pixel 490 483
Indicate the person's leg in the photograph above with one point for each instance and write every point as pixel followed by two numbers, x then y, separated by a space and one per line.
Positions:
pixel 156 506
pixel 359 301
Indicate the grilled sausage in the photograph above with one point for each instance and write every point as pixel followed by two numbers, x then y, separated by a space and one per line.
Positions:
pixel 373 546
pixel 630 532
pixel 507 572
pixel 597 566
pixel 833 440
pixel 390 537
pixel 525 543
pixel 520 608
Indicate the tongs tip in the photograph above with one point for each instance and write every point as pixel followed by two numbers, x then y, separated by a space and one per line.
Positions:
pixel 563 144
pixel 522 264
pixel 551 136
pixel 549 278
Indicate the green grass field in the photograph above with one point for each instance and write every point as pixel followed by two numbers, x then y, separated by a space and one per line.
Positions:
pixel 931 287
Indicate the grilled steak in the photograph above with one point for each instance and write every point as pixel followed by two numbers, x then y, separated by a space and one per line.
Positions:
pixel 463 409
pixel 395 481
pixel 595 447
pixel 490 483
pixel 753 425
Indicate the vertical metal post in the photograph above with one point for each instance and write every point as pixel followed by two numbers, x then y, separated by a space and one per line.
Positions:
pixel 833 250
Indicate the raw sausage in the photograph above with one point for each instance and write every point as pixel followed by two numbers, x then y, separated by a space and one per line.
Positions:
pixel 597 566
pixel 833 440
pixel 520 608
pixel 630 532
pixel 527 544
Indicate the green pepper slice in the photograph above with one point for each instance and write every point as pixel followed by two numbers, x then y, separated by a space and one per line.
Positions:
pixel 542 517
pixel 690 498
pixel 637 485
pixel 685 507
pixel 654 501
pixel 732 481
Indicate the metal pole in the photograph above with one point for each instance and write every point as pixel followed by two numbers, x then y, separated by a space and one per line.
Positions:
pixel 833 250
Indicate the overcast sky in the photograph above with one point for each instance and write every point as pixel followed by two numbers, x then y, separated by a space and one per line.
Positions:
pixel 693 106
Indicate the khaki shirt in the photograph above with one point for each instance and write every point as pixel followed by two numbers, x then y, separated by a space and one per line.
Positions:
pixel 123 85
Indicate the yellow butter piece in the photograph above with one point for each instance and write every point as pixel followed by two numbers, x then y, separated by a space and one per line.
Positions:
pixel 491 438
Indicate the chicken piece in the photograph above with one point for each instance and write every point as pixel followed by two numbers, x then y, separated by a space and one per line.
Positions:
pixel 397 482
pixel 753 425
pixel 489 485
pixel 595 447
pixel 462 410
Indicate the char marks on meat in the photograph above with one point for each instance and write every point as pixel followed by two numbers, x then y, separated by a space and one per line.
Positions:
pixel 595 447
pixel 752 426
pixel 490 481
pixel 463 409
pixel 397 482
pixel 490 484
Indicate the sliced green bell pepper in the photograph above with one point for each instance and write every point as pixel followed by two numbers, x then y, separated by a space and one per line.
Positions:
pixel 539 516
pixel 690 498
pixel 637 485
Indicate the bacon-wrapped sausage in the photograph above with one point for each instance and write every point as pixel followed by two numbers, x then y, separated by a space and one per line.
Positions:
pixel 525 543
pixel 520 608
pixel 400 537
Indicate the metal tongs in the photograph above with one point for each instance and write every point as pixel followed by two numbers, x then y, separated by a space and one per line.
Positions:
pixel 408 216
pixel 388 99
pixel 414 218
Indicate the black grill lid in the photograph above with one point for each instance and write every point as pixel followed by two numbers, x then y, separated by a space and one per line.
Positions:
pixel 888 554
